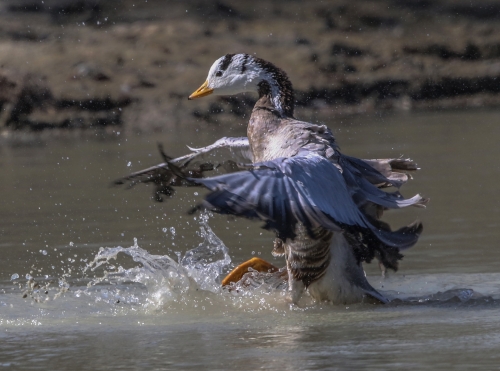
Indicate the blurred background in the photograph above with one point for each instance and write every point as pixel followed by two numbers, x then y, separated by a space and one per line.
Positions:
pixel 88 88
pixel 130 64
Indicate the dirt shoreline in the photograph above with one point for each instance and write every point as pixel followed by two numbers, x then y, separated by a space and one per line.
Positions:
pixel 129 65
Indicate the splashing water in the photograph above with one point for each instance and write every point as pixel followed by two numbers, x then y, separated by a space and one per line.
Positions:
pixel 165 279
pixel 192 282
pixel 205 264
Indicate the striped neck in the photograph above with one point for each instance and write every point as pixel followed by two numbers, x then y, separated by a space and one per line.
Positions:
pixel 276 86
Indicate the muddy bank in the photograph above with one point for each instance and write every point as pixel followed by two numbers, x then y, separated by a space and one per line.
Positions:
pixel 120 63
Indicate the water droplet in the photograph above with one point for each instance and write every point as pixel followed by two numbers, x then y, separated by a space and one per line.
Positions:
pixel 15 276
pixel 44 252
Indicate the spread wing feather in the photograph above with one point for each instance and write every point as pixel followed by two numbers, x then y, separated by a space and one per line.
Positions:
pixel 225 153
pixel 227 148
pixel 306 189
pixel 361 179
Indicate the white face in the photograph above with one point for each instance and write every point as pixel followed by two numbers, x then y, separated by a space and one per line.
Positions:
pixel 241 75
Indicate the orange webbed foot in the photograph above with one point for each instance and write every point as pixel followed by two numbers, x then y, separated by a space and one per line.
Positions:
pixel 257 264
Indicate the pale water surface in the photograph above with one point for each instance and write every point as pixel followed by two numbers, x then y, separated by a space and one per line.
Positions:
pixel 96 277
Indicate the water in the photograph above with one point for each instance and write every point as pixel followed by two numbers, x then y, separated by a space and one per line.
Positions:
pixel 96 277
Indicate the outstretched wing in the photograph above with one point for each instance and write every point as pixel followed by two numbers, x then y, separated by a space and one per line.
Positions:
pixel 306 189
pixel 362 179
pixel 387 172
pixel 224 154
pixel 396 170
pixel 225 149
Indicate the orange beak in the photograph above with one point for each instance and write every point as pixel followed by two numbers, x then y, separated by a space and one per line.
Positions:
pixel 202 91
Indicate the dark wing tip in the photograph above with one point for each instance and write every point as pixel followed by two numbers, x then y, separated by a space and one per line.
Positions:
pixel 164 156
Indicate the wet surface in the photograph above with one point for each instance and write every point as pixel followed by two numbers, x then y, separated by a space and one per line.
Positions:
pixel 156 306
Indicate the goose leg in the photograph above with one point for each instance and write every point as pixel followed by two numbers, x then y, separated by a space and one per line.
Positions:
pixel 295 287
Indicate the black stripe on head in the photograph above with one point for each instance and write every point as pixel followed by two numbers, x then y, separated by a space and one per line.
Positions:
pixel 244 64
pixel 226 62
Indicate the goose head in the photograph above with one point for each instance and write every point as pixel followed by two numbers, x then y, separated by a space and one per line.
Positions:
pixel 231 74
pixel 238 73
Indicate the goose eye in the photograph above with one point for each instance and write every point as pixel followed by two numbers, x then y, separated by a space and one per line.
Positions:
pixel 218 73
